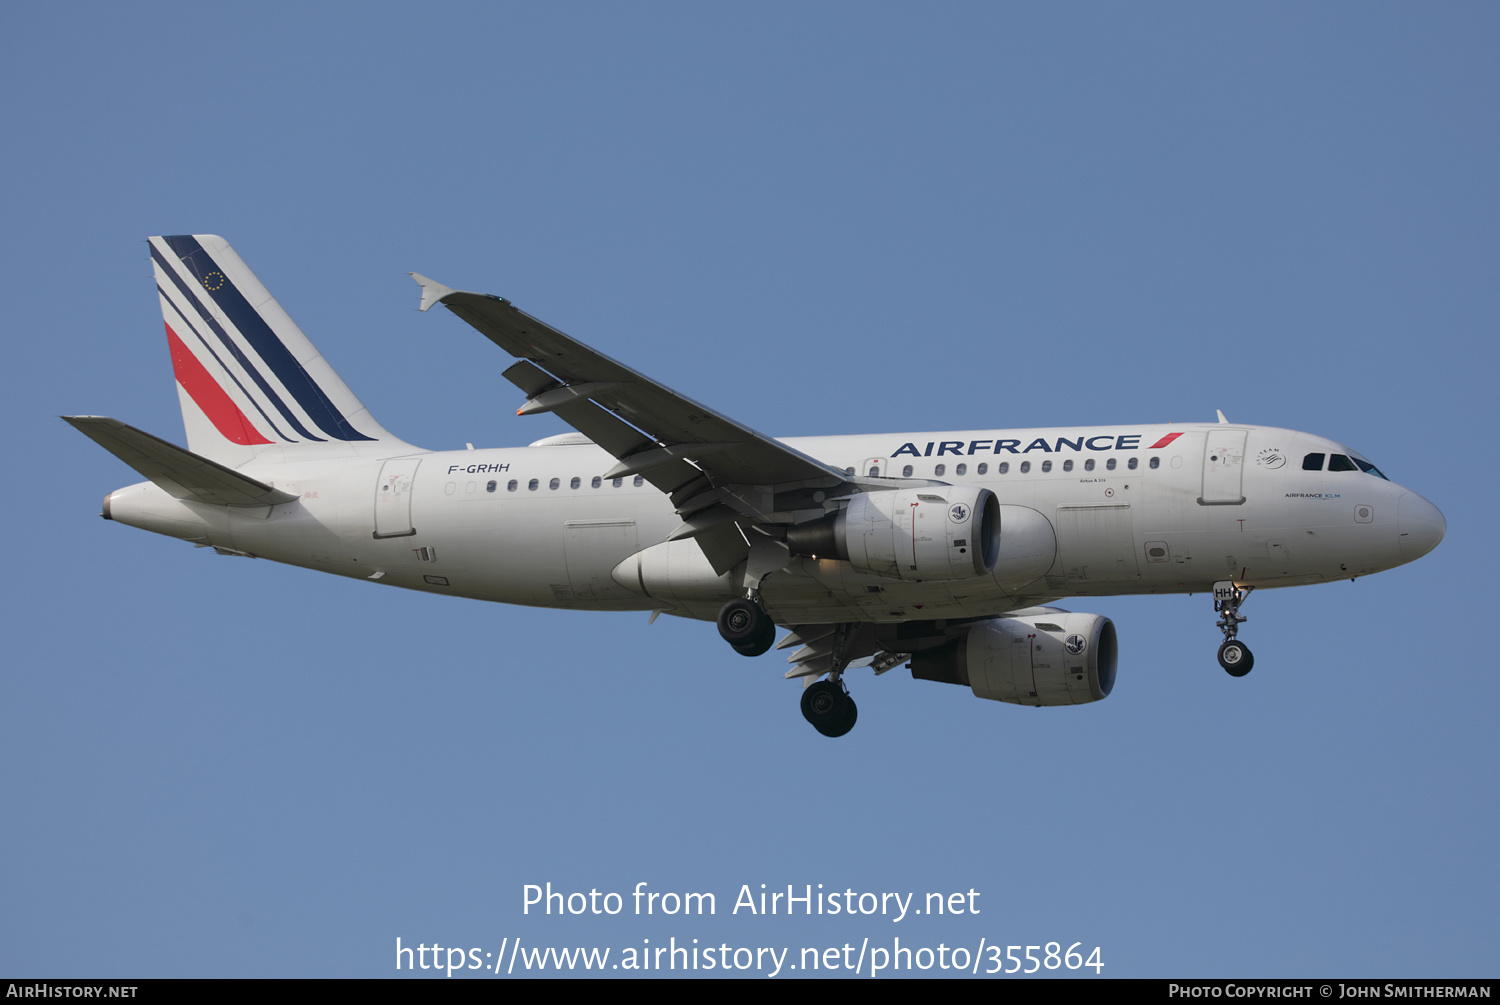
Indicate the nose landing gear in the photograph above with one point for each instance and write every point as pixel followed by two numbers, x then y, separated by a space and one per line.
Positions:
pixel 1234 656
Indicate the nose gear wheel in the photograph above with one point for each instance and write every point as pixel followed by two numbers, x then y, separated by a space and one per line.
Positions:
pixel 1234 656
pixel 1236 659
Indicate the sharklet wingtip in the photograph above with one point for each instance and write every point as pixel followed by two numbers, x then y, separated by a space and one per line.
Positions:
pixel 433 291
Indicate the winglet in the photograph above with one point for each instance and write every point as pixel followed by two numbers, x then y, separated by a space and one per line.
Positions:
pixel 1222 421
pixel 433 291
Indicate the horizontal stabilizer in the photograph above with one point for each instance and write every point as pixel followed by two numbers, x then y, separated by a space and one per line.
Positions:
pixel 180 473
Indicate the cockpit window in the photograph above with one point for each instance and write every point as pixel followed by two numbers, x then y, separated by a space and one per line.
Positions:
pixel 1341 462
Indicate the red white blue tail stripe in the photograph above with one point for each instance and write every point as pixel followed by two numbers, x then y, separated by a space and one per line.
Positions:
pixel 241 361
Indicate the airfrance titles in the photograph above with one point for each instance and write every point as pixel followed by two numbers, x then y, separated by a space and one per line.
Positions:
pixel 1104 441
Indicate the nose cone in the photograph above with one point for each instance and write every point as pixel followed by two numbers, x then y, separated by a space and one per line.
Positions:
pixel 1420 525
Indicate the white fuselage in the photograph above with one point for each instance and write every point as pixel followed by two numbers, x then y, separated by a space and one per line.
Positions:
pixel 537 526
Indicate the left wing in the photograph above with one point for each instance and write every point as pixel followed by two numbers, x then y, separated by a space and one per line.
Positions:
pixel 717 471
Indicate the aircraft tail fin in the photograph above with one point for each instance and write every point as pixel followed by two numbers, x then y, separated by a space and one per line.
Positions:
pixel 248 380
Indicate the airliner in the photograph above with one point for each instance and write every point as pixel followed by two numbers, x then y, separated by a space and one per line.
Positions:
pixel 940 551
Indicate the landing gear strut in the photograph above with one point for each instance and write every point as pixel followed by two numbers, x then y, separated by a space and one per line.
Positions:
pixel 744 624
pixel 829 708
pixel 1234 656
pixel 827 704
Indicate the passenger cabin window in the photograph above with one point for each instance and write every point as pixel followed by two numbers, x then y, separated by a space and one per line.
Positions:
pixel 1025 467
pixel 1046 465
pixel 1135 462
pixel 510 486
pixel 1110 464
pixel 596 482
pixel 617 482
pixel 639 481
pixel 1155 462
pixel 553 484
pixel 984 469
pixel 1312 462
pixel 574 483
pixel 1338 462
pixel 937 472
pixel 1003 468
pixel 961 470
pixel 906 471
pixel 531 485
pixel 1067 465
pixel 491 486
pixel 1088 465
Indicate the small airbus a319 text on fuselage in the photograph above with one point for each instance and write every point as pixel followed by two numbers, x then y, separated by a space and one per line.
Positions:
pixel 936 550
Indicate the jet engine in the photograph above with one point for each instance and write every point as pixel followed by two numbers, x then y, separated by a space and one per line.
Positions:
pixel 1049 658
pixel 935 533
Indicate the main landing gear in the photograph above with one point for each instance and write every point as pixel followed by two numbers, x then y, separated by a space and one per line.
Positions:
pixel 827 705
pixel 743 622
pixel 745 625
pixel 1234 656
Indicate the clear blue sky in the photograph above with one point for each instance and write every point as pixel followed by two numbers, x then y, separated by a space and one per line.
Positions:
pixel 821 218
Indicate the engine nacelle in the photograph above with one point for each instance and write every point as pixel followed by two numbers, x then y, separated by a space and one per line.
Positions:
pixel 937 533
pixel 1051 658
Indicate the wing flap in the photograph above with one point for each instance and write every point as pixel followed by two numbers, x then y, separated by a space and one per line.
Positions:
pixel 724 547
pixel 619 438
pixel 623 440
pixel 529 377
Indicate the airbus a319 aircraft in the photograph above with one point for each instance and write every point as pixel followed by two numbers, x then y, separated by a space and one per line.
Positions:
pixel 940 551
